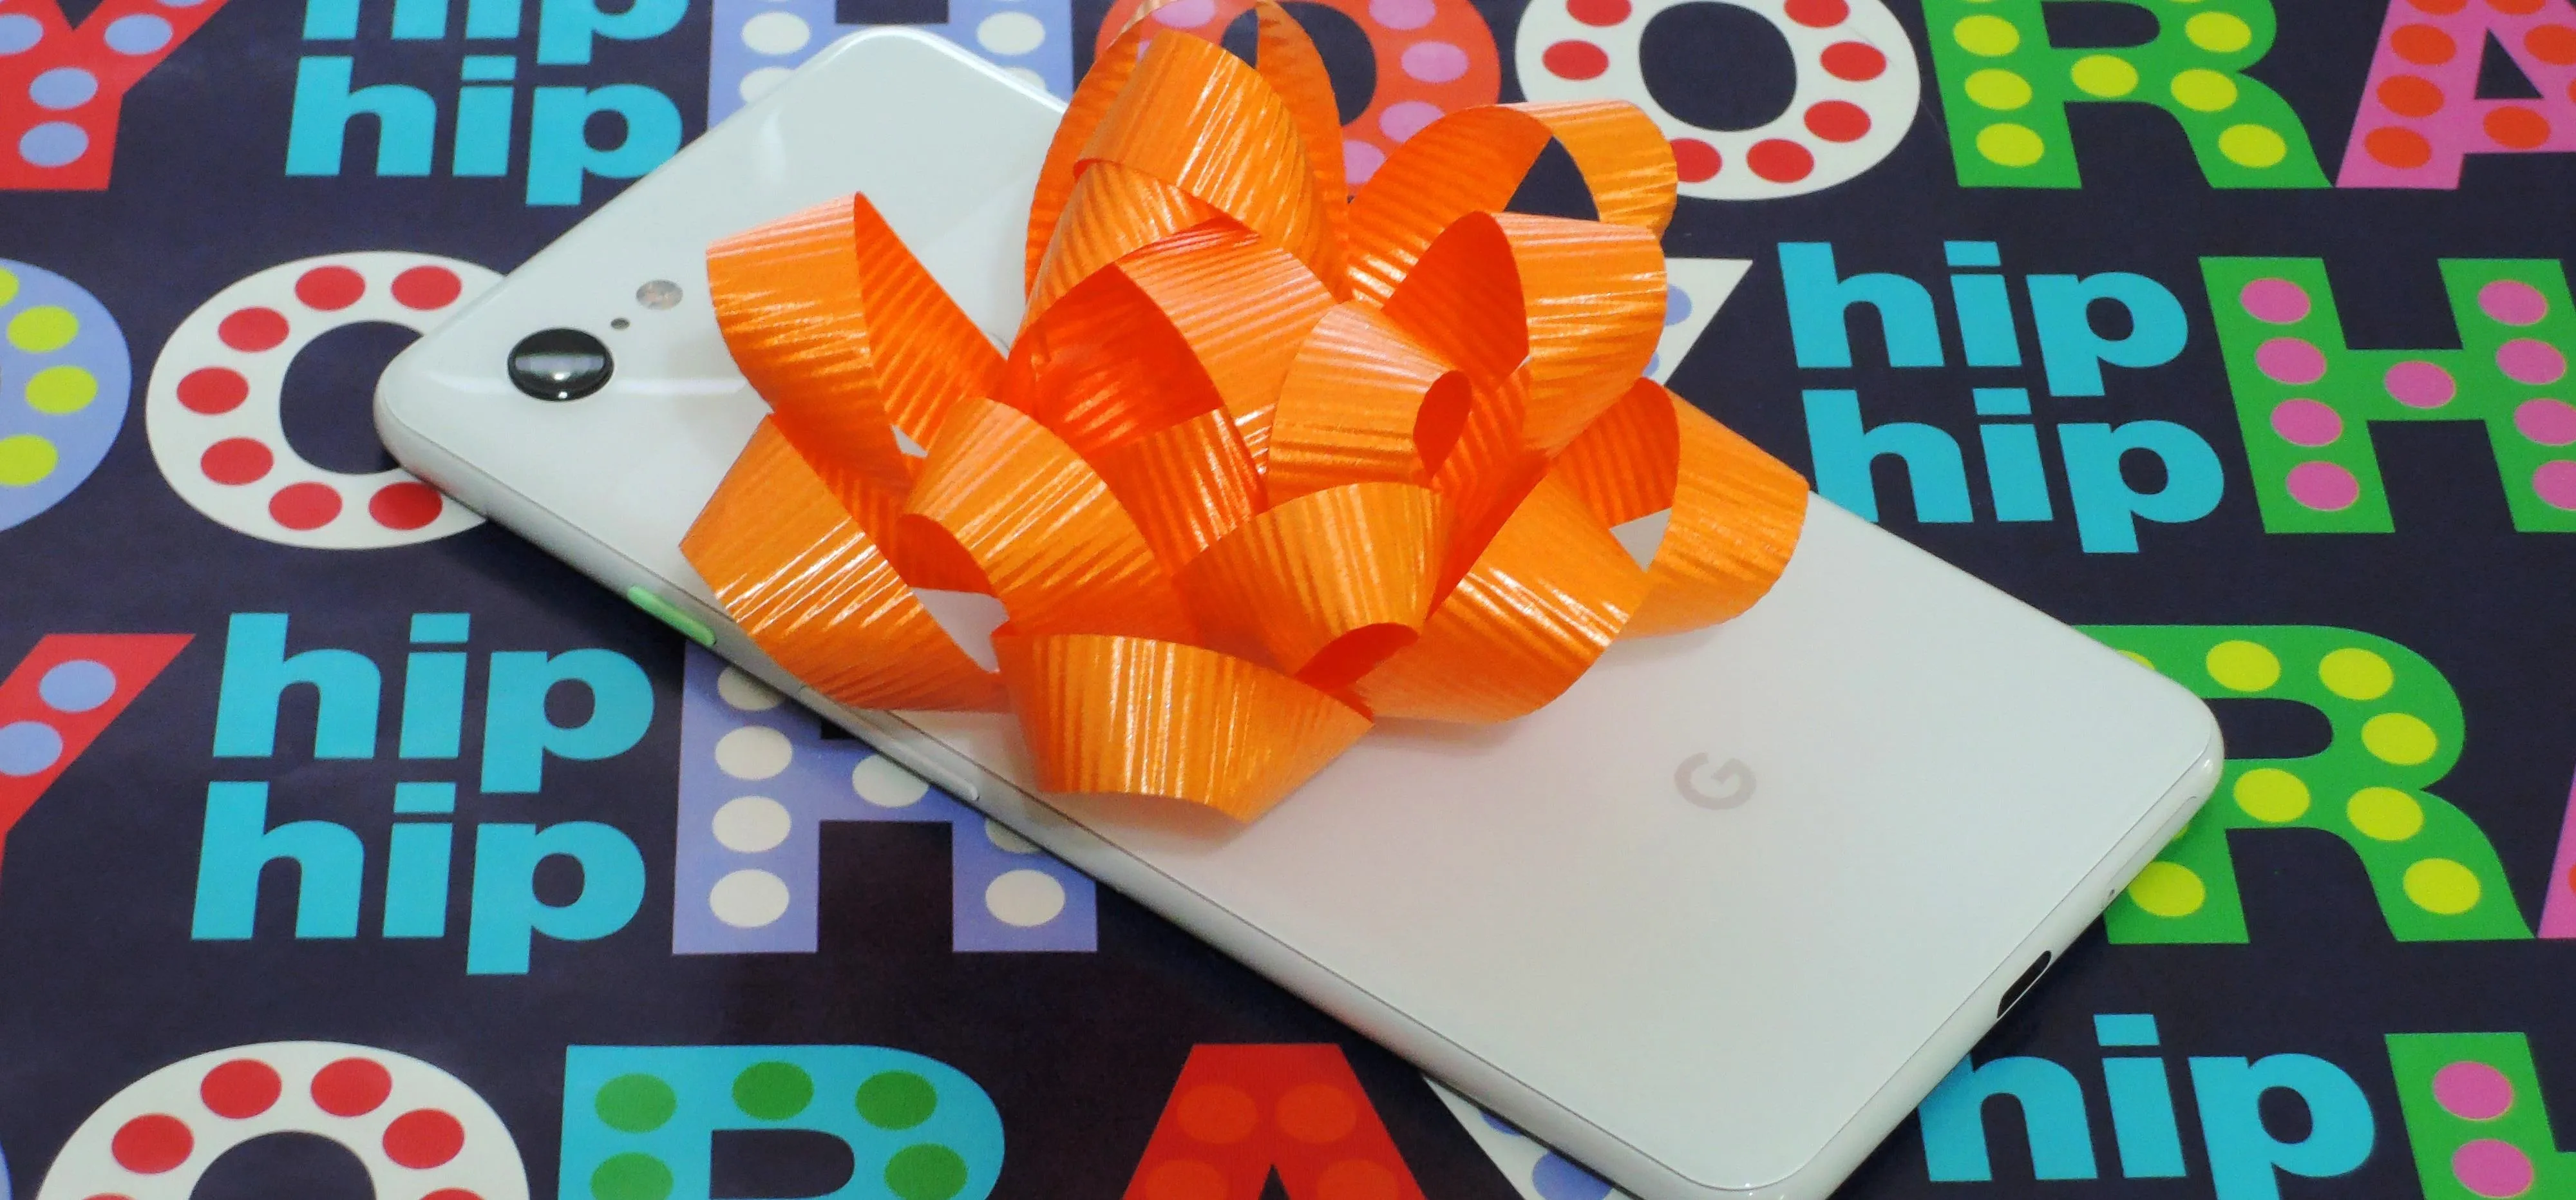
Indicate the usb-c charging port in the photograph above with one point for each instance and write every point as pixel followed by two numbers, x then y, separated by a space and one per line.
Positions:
pixel 2013 994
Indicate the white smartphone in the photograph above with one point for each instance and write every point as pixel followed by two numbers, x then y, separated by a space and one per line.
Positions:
pixel 1712 923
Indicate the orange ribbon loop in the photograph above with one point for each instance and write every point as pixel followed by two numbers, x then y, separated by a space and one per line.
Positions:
pixel 1262 464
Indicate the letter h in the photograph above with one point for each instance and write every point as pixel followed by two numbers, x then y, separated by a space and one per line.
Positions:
pixel 2305 399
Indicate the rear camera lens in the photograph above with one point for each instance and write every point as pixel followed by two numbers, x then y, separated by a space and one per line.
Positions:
pixel 560 364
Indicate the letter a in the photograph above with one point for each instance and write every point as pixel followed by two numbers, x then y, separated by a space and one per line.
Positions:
pixel 2420 112
pixel 1242 1113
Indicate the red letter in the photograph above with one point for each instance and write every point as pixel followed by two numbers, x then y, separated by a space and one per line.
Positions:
pixel 1240 1112
pixel 60 87
pixel 61 698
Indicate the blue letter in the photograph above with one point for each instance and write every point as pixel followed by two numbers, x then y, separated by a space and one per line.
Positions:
pixel 434 687
pixel 416 879
pixel 239 843
pixel 517 735
pixel 559 149
pixel 2107 508
pixel 565 27
pixel 2075 353
pixel 2243 1154
pixel 2052 1110
pixel 337 20
pixel 256 676
pixel 492 18
pixel 483 117
pixel 507 915
pixel 407 121
pixel 1818 299
pixel 1843 453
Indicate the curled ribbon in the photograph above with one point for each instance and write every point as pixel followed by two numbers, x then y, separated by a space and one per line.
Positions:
pixel 1263 463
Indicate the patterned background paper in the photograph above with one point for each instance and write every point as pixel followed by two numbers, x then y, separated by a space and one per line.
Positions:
pixel 2235 331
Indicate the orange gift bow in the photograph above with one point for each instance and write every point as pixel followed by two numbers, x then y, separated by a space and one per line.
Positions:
pixel 1261 464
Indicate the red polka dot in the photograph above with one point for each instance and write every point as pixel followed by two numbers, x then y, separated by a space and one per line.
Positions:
pixel 1837 121
pixel 428 287
pixel 2422 44
pixel 241 1088
pixel 1780 160
pixel 451 1194
pixel 253 329
pixel 2403 149
pixel 153 1144
pixel 2410 96
pixel 110 1196
pixel 2552 44
pixel 1696 160
pixel 351 1087
pixel 1818 14
pixel 404 505
pixel 1575 60
pixel 212 390
pixel 1854 61
pixel 304 505
pixel 423 1139
pixel 2519 8
pixel 1598 12
pixel 330 288
pixel 2517 127
pixel 236 461
pixel 2439 8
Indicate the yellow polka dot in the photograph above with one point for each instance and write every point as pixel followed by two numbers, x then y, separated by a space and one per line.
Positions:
pixel 2442 886
pixel 2104 75
pixel 1989 36
pixel 2385 813
pixel 2140 659
pixel 2204 91
pixel 2242 666
pixel 2356 674
pixel 43 329
pixel 2252 146
pixel 2168 890
pixel 2009 144
pixel 1992 88
pixel 2218 33
pixel 2271 794
pixel 26 459
pixel 8 287
pixel 2400 738
pixel 61 390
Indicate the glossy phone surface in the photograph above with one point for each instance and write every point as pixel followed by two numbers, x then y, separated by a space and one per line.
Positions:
pixel 1713 922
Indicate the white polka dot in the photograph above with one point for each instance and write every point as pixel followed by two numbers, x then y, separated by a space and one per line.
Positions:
pixel 1027 76
pixel 753 752
pixel 1024 898
pixel 883 782
pixel 751 824
pixel 1010 33
pixel 742 691
pixel 776 33
pixel 748 899
pixel 1001 835
pixel 762 82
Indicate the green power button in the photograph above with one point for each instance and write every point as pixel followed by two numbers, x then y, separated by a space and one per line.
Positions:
pixel 672 615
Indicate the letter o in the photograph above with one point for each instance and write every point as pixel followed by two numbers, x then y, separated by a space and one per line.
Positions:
pixel 1858 89
pixel 1434 57
pixel 213 406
